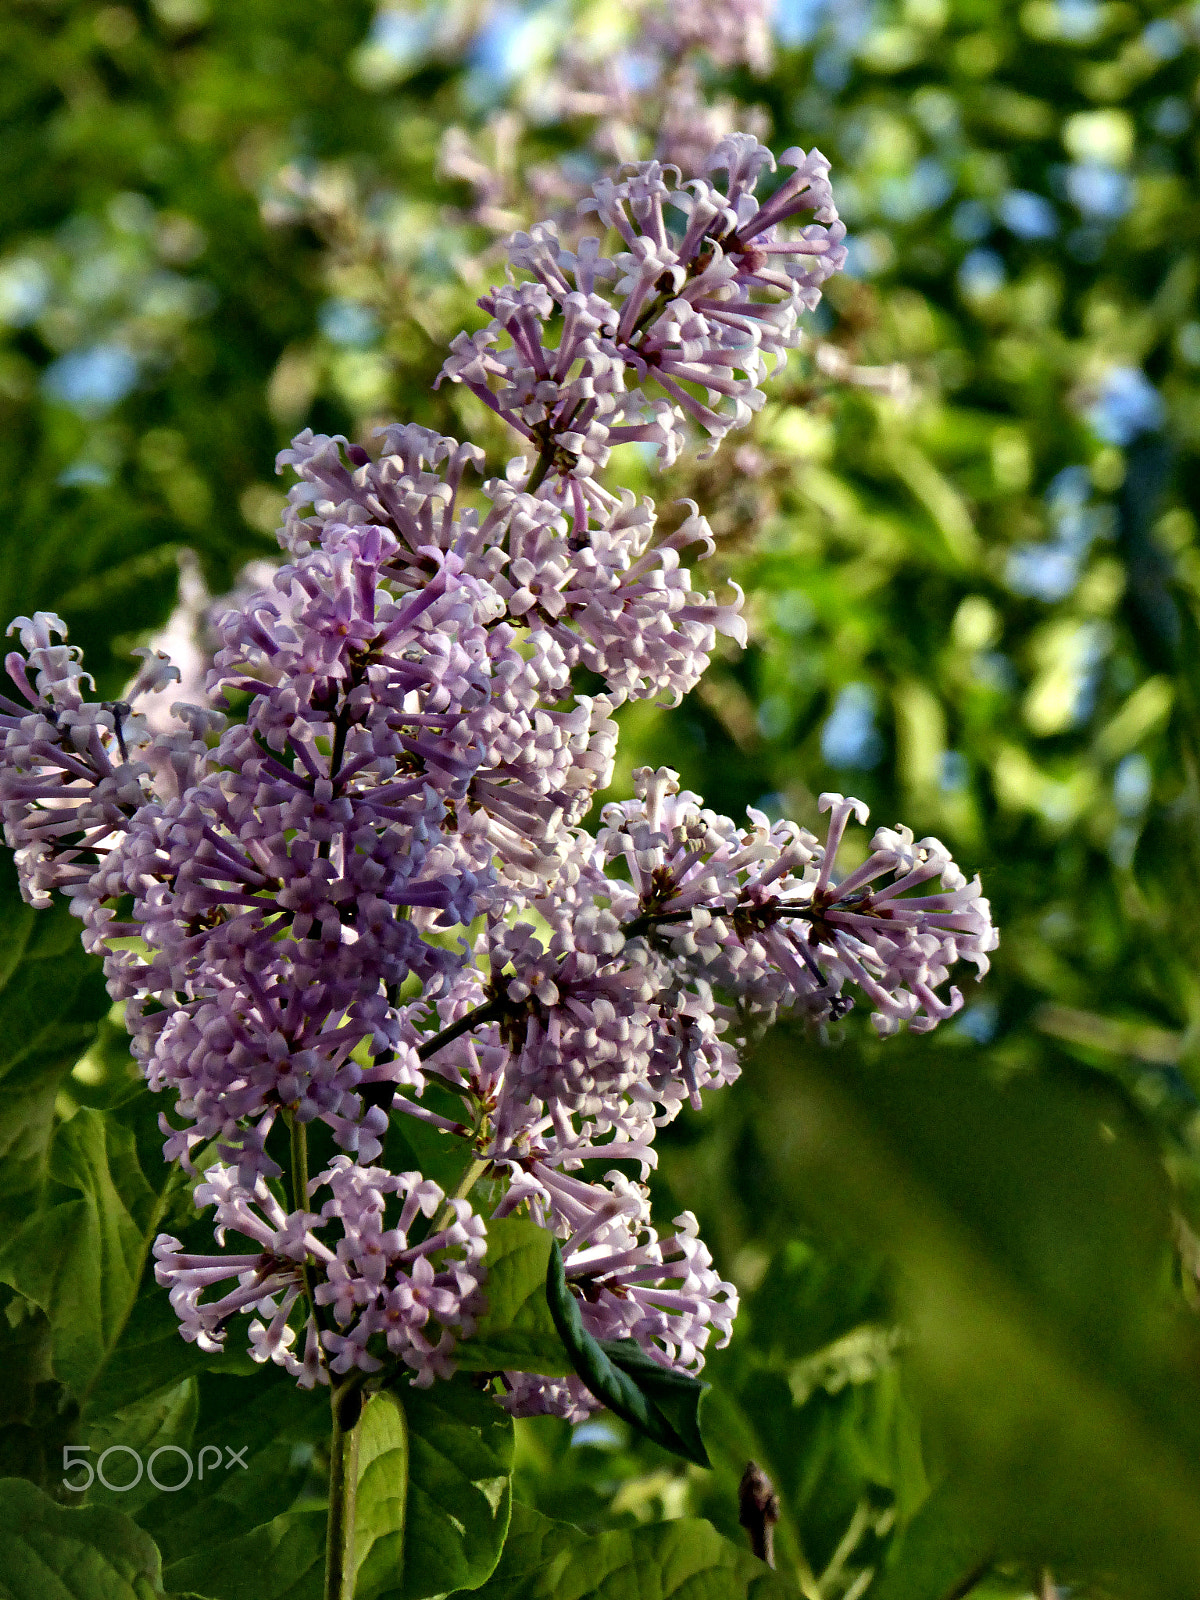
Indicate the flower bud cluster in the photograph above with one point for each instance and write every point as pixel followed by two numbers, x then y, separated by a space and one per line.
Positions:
pixel 651 94
pixel 355 893
pixel 762 913
pixel 585 351
pixel 732 35
pixel 596 587
pixel 75 771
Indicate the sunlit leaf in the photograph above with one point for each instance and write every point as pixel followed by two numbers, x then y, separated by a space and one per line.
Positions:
pixel 458 1498
pixel 516 1331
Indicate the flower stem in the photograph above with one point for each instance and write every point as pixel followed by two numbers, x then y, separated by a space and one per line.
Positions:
pixel 299 1183
pixel 542 466
pixel 299 1133
pixel 492 1011
pixel 465 1184
pixel 345 1408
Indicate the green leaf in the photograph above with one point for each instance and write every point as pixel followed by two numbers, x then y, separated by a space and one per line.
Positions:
pixel 517 1332
pixel 382 1499
pixel 283 1559
pixel 662 1405
pixel 150 1354
pixel 941 1552
pixel 55 1552
pixel 682 1560
pixel 81 1259
pixel 673 1396
pixel 261 1442
pixel 433 1496
pixel 162 1421
pixel 52 999
pixel 1032 1229
pixel 458 1498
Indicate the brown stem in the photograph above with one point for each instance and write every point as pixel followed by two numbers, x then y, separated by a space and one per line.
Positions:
pixel 491 1012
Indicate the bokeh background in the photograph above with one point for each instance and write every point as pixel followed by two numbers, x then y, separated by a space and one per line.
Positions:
pixel 966 525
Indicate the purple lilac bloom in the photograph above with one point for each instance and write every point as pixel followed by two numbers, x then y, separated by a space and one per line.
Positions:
pixel 663 1293
pixel 570 347
pixel 356 885
pixel 416 1296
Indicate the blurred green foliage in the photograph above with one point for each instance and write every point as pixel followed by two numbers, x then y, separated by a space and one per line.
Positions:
pixel 968 1348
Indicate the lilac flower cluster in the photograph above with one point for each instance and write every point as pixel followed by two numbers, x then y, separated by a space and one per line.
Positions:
pixel 663 1293
pixel 699 315
pixel 415 1296
pixel 354 892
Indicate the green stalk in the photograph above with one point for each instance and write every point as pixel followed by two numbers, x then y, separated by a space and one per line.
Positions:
pixel 542 466
pixel 345 1407
pixel 299 1133
pixel 299 1183
pixel 466 1183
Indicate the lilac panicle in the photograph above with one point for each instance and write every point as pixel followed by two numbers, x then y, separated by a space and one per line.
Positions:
pixel 354 888
pixel 586 350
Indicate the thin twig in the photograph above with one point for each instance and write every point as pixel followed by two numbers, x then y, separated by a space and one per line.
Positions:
pixel 465 1184
pixel 492 1011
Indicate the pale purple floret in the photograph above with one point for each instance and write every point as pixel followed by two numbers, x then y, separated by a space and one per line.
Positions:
pixel 762 912
pixel 76 771
pixel 663 1293
pixel 591 585
pixel 268 1280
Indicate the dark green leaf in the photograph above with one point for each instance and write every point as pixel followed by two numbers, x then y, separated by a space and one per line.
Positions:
pixel 281 1433
pixel 52 999
pixel 38 1417
pixel 160 1422
pixel 674 1396
pixel 150 1354
pixel 433 1499
pixel 283 1559
pixel 663 1406
pixel 683 1560
pixel 81 1259
pixel 54 1552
